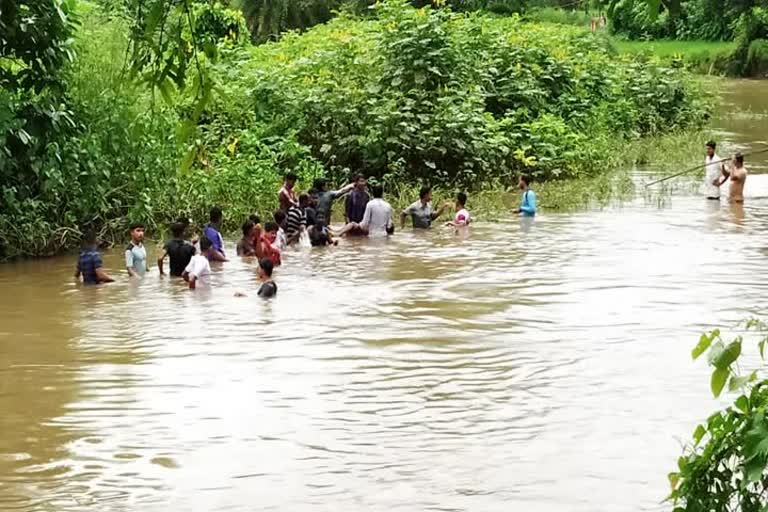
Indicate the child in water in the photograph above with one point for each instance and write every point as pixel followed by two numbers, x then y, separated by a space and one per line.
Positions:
pixel 268 286
pixel 462 217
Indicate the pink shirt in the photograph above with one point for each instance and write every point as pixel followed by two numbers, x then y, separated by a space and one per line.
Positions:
pixel 461 218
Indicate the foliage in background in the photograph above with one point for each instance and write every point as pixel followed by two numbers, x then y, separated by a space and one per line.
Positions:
pixel 726 466
pixel 413 96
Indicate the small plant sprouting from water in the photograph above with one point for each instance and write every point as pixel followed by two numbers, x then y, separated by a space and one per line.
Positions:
pixel 724 469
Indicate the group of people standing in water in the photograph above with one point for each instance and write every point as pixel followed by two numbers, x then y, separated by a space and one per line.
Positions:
pixel 302 219
pixel 717 173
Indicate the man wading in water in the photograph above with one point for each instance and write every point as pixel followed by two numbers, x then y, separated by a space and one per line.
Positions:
pixel 738 177
pixel 714 174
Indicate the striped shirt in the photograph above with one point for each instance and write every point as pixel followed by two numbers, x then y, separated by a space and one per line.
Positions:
pixel 296 219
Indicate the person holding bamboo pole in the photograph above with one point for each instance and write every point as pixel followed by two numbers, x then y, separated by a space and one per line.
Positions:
pixel 715 173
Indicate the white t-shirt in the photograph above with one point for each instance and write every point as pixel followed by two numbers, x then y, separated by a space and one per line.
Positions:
pixel 462 217
pixel 200 268
pixel 377 216
pixel 711 172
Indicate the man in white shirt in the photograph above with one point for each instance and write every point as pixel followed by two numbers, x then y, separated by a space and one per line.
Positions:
pixel 377 219
pixel 715 173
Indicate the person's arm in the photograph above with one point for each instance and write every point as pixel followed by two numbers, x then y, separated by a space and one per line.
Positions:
pixel 217 256
pixel 439 212
pixel 160 262
pixel 129 263
pixel 347 208
pixel 725 173
pixel 344 190
pixel 192 280
pixel 103 277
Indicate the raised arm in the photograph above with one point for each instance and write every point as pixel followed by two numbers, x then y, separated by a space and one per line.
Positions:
pixel 344 190
pixel 439 212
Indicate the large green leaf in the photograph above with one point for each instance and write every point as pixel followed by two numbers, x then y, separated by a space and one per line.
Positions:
pixel 704 342
pixel 719 376
pixel 725 358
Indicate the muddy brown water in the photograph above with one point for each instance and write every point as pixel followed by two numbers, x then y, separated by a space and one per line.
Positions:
pixel 532 366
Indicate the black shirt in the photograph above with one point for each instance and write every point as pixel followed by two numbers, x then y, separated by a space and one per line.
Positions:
pixel 268 289
pixel 179 253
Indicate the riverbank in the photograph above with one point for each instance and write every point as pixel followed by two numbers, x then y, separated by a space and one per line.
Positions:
pixel 703 57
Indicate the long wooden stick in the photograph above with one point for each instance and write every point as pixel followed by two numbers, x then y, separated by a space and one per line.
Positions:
pixel 702 165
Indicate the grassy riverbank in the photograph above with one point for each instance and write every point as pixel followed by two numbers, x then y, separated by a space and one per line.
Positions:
pixel 706 57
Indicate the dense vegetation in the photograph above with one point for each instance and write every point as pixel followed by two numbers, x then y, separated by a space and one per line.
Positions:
pixel 409 96
pixel 726 466
pixel 745 22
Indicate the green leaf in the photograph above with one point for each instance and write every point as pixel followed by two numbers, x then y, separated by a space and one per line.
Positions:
pixel 738 382
pixel 719 376
pixel 715 352
pixel 673 478
pixel 761 346
pixel 704 343
pixel 725 358
pixel 699 433
pixel 742 403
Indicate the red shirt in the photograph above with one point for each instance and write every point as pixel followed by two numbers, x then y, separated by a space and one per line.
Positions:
pixel 265 250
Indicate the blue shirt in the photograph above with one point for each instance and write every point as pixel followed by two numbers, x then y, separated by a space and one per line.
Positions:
pixel 212 234
pixel 528 207
pixel 87 264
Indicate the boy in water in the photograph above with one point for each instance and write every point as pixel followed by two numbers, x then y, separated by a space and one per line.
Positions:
pixel 738 178
pixel 199 268
pixel 297 220
pixel 268 249
pixel 462 217
pixel 281 241
pixel 245 245
pixel 89 264
pixel 287 196
pixel 268 287
pixel 715 173
pixel 211 232
pixel 135 253
pixel 528 205
pixel 377 219
pixel 178 250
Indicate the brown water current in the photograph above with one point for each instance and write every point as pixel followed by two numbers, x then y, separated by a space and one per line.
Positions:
pixel 540 365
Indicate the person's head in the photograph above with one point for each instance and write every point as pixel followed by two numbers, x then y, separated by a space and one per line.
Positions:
pixel 290 180
pixel 279 216
pixel 525 182
pixel 739 159
pixel 248 229
pixel 461 200
pixel 205 244
pixel 184 221
pixel 216 215
pixel 137 231
pixel 319 184
pixel 425 194
pixel 89 237
pixel 304 200
pixel 265 268
pixel 254 218
pixel 711 146
pixel 270 229
pixel 359 181
pixel 377 191
pixel 177 230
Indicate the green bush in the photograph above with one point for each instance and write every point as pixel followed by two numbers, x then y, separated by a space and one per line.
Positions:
pixel 412 96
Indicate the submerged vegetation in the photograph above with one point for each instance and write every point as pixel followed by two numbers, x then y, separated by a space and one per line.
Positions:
pixel 406 96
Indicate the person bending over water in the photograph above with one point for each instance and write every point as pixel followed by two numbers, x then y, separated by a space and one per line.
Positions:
pixel 421 211
pixel 528 204
pixel 738 177
pixel 178 250
pixel 89 264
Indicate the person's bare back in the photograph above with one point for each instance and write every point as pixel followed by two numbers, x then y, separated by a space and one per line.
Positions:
pixel 738 177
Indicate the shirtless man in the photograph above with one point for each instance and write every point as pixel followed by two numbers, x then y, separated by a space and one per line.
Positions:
pixel 738 177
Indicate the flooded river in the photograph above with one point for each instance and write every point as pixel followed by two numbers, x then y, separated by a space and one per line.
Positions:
pixel 541 366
